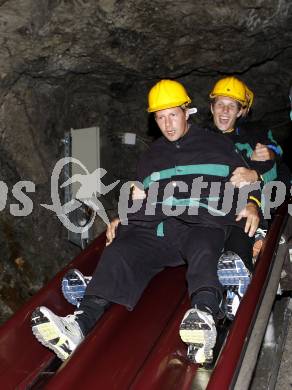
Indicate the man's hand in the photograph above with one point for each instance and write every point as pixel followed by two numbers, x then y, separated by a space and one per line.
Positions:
pixel 262 153
pixel 111 230
pixel 250 212
pixel 242 176
pixel 257 246
pixel 137 193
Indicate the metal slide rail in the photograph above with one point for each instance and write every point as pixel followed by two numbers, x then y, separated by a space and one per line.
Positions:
pixel 237 360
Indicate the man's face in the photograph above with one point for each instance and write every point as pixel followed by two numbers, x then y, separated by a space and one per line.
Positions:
pixel 225 112
pixel 172 122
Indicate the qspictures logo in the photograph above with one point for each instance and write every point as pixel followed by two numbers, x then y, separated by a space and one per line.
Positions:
pixel 90 187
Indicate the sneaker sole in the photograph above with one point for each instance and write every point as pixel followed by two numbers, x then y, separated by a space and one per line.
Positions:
pixel 235 278
pixel 48 334
pixel 234 275
pixel 73 286
pixel 201 336
pixel 229 304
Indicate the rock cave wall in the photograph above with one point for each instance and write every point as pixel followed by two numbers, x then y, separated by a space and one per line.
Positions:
pixel 81 63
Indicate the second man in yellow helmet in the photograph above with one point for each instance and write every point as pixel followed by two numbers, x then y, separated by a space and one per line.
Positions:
pixel 231 99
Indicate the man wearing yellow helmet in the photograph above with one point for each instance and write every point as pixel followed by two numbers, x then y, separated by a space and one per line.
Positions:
pixel 159 236
pixel 230 100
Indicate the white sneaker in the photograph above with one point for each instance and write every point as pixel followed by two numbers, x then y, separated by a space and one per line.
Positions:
pixel 60 334
pixel 199 331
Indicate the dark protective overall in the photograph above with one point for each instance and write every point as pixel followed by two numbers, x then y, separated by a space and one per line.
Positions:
pixel 138 254
pixel 141 249
pixel 245 137
pixel 239 242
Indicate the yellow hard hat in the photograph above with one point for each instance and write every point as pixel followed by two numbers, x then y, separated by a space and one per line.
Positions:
pixel 249 96
pixel 167 94
pixel 230 87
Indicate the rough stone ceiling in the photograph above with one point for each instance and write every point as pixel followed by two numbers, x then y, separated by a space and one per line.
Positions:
pixel 81 63
pixel 114 40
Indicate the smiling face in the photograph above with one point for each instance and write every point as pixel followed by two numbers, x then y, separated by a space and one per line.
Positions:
pixel 225 112
pixel 172 122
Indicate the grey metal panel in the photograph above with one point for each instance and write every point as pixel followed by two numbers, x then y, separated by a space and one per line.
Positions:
pixel 85 147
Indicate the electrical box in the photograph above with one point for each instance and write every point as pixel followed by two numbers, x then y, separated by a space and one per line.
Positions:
pixel 83 145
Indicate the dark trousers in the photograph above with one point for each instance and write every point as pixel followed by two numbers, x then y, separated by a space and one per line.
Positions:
pixel 240 243
pixel 137 254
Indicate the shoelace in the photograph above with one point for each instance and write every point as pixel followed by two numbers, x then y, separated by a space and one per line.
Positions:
pixel 76 312
pixel 261 232
pixel 71 319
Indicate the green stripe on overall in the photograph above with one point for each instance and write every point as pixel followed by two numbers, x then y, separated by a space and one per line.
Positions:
pixel 198 169
pixel 172 201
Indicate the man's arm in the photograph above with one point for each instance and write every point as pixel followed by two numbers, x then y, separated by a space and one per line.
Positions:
pixel 265 153
pixel 265 146
pixel 242 176
pixel 262 153
pixel 264 171
pixel 273 152
pixel 266 156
